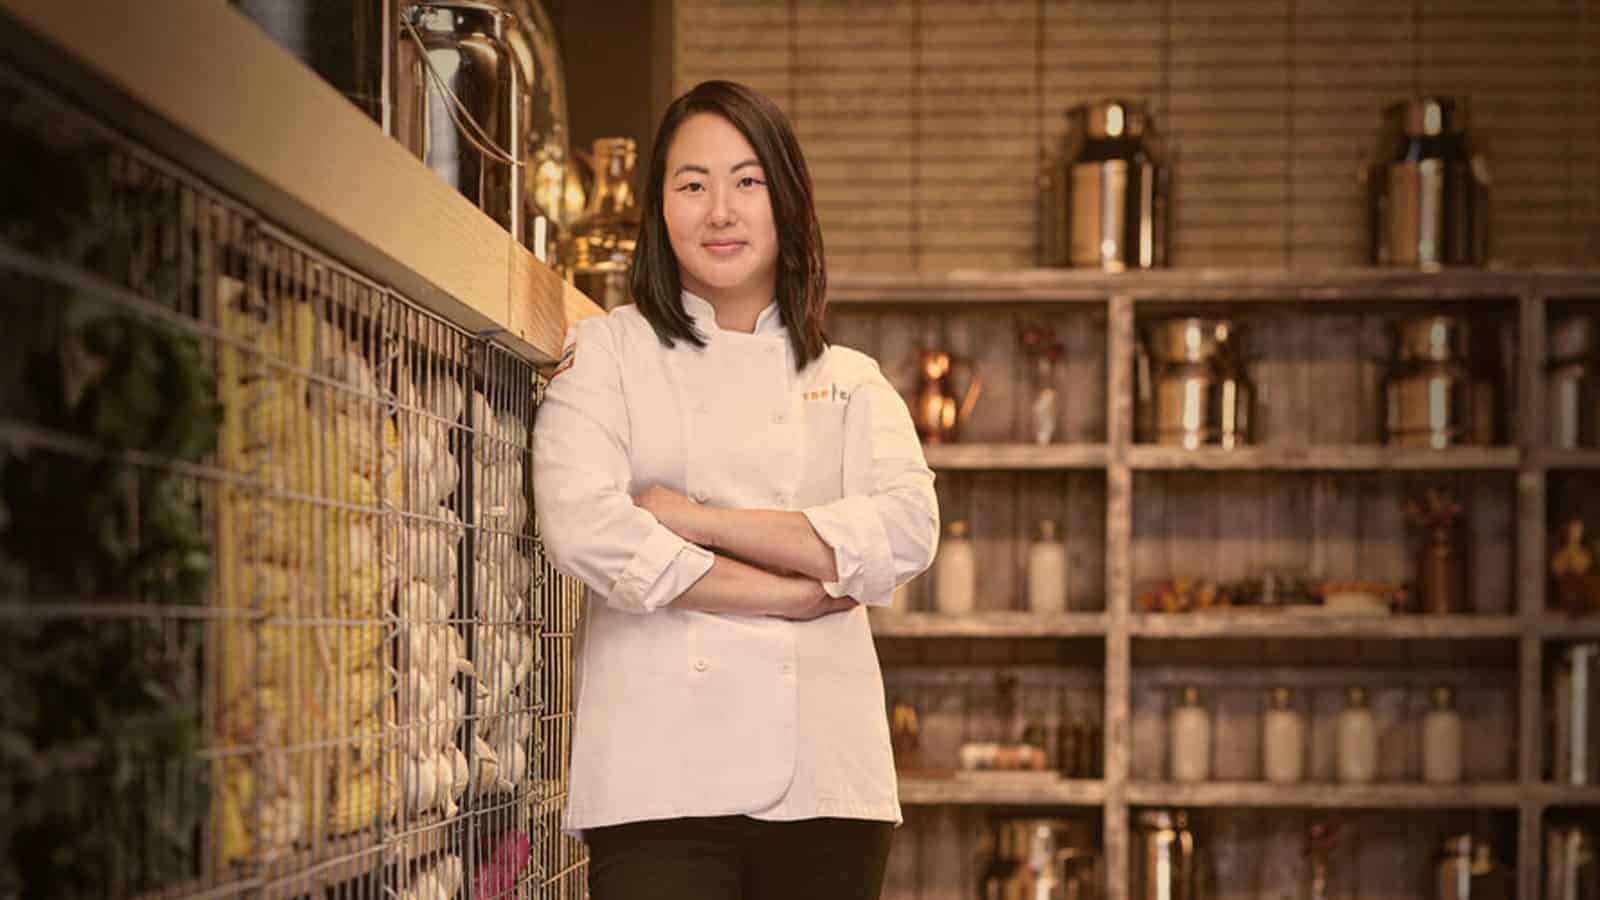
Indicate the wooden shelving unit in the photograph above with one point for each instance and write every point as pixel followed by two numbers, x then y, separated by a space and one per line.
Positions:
pixel 969 310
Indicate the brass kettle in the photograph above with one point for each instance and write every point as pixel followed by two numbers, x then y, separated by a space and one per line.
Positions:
pixel 936 410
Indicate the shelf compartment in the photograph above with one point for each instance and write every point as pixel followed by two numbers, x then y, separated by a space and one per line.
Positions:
pixel 1325 796
pixel 921 791
pixel 1348 458
pixel 1237 525
pixel 1000 624
pixel 1016 456
pixel 1254 624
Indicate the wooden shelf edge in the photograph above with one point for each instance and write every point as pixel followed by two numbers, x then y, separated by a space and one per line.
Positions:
pixel 1016 456
pixel 1226 625
pixel 1565 795
pixel 955 791
pixel 1373 796
pixel 1568 459
pixel 1553 625
pixel 1146 457
pixel 990 624
pixel 1349 284
pixel 263 128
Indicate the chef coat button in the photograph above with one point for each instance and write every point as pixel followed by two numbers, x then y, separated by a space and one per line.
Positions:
pixel 698 497
pixel 787 668
pixel 778 418
pixel 701 664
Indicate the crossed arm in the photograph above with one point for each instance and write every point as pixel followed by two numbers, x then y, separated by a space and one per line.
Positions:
pixel 767 562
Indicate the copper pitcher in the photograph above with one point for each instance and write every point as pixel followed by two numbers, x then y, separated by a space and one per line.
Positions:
pixel 936 410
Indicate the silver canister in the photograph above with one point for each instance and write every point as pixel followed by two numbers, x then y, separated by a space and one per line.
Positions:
pixel 1432 396
pixel 459 102
pixel 1572 384
pixel 1575 697
pixel 1194 389
pixel 1115 191
pixel 350 43
pixel 1428 189
pixel 1168 864
pixel 1571 862
pixel 546 142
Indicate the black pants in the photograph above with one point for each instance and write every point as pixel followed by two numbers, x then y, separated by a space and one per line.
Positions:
pixel 738 858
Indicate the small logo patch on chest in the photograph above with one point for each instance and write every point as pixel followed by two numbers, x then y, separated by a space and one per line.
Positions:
pixel 830 393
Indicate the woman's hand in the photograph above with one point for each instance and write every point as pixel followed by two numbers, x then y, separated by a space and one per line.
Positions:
pixel 682 516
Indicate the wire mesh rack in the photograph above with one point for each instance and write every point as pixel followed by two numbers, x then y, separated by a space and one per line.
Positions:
pixel 273 615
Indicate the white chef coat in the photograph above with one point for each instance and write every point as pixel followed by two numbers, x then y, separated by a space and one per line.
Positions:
pixel 684 713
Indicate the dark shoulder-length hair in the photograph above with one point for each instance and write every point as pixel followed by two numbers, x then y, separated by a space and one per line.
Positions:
pixel 802 280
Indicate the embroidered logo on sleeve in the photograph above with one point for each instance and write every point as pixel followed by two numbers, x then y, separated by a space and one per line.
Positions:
pixel 568 354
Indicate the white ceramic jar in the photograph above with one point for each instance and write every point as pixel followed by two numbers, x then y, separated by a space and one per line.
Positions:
pixel 1047 571
pixel 1358 740
pixel 1283 740
pixel 1189 753
pixel 1441 740
pixel 956 572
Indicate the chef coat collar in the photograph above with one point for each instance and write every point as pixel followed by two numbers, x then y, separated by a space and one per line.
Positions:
pixel 769 322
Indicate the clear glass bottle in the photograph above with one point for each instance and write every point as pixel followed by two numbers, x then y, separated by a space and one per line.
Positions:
pixel 1190 736
pixel 1358 740
pixel 1047 571
pixel 957 571
pixel 1283 740
pixel 1441 739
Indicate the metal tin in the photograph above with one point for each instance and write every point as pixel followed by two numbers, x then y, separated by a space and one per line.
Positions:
pixel 1115 189
pixel 459 102
pixel 1572 338
pixel 1193 339
pixel 1193 387
pixel 1432 396
pixel 1435 339
pixel 1575 698
pixel 1428 189
pixel 1571 862
pixel 1572 384
pixel 1167 862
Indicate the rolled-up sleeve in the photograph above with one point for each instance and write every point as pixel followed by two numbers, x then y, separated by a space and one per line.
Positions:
pixel 884 531
pixel 590 526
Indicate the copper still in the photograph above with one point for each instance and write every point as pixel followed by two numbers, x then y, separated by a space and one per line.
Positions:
pixel 598 249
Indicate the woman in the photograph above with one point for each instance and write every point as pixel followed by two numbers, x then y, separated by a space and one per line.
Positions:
pixel 733 491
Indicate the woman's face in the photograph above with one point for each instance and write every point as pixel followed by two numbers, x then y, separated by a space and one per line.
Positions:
pixel 718 213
